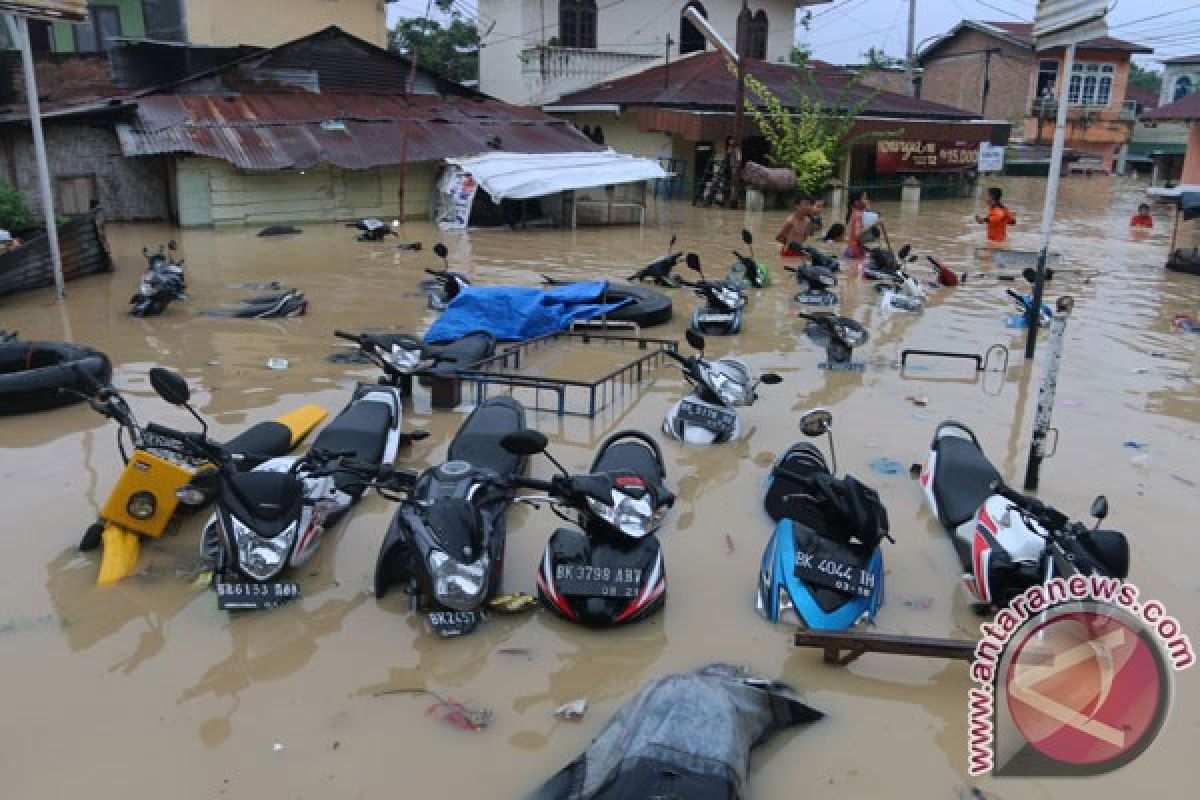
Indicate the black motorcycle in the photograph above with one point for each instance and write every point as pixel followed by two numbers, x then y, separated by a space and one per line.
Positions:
pixel 444 284
pixel 162 283
pixel 659 270
pixel 816 281
pixel 609 569
pixel 838 335
pixel 401 356
pixel 445 544
pixel 721 314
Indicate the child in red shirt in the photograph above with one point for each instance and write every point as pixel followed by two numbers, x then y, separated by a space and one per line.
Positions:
pixel 1142 219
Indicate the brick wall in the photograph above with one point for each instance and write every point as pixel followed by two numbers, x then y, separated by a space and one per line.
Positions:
pixel 957 80
pixel 127 188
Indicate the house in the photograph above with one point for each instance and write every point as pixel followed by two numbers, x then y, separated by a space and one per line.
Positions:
pixel 536 50
pixel 208 22
pixel 1156 148
pixel 1181 77
pixel 992 67
pixel 1186 111
pixel 685 110
pixel 319 128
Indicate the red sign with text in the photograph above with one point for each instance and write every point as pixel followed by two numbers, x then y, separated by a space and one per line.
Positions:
pixel 918 155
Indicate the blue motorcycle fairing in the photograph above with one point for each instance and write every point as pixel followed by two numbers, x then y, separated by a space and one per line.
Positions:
pixel 778 570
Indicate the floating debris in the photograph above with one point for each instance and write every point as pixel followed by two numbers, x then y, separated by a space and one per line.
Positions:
pixel 728 544
pixel 886 466
pixel 449 710
pixel 575 709
pixel 277 363
pixel 514 603
pixel 1134 444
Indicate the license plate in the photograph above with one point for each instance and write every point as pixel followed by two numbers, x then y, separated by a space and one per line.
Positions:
pixel 251 596
pixel 454 623
pixel 716 318
pixel 583 580
pixel 817 299
pixel 834 574
pixel 843 366
pixel 717 420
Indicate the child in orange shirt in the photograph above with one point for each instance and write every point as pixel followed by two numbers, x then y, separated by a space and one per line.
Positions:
pixel 1142 219
pixel 998 217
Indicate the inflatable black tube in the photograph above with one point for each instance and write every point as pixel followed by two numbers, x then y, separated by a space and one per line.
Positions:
pixel 31 374
pixel 649 307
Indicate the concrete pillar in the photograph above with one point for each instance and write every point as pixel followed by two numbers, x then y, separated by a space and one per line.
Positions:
pixel 837 195
pixel 1122 154
pixel 754 200
pixel 1156 161
pixel 1191 159
pixel 910 195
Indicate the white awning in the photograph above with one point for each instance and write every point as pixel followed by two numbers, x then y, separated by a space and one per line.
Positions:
pixel 522 175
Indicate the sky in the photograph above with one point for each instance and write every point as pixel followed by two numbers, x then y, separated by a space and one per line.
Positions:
pixel 841 30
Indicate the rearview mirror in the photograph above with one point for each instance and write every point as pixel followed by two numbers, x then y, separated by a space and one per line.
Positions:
pixel 693 261
pixel 440 250
pixel 816 422
pixel 694 339
pixel 171 245
pixel 525 443
pixel 1100 507
pixel 674 239
pixel 904 251
pixel 170 386
pixel 747 236
pixel 771 378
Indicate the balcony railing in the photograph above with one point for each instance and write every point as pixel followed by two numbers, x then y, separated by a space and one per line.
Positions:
pixel 550 72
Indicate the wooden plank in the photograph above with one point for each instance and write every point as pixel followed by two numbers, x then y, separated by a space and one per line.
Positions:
pixel 854 644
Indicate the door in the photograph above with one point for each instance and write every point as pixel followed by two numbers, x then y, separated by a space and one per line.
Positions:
pixel 76 194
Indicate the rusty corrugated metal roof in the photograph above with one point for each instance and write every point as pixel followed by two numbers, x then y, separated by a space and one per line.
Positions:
pixel 351 131
pixel 703 81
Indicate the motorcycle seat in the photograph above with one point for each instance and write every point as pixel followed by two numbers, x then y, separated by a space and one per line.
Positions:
pixel 266 439
pixel 362 428
pixel 267 496
pixel 478 440
pixel 962 479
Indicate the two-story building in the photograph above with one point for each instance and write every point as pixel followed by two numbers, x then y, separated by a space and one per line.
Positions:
pixel 209 22
pixel 992 67
pixel 538 50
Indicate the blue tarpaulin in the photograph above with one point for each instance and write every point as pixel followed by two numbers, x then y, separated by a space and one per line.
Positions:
pixel 514 313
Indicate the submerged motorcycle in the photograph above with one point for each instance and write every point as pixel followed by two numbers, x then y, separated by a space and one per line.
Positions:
pixel 707 415
pixel 402 356
pixel 445 544
pixel 838 335
pixel 816 281
pixel 274 516
pixel 1008 542
pixel 608 570
pixel 143 500
pixel 162 283
pixel 444 284
pixel 823 567
pixel 659 270
pixel 746 269
pixel 721 313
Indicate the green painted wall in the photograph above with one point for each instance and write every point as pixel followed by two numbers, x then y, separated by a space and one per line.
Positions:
pixel 213 192
pixel 132 23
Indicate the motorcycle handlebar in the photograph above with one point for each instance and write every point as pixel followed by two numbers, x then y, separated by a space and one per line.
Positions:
pixel 350 337
pixel 534 483
pixel 1050 516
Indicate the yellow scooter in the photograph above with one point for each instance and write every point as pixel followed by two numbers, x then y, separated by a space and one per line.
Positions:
pixel 143 500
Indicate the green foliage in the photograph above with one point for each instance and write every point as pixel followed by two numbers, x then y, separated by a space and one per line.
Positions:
pixel 14 211
pixel 876 58
pixel 800 55
pixel 803 136
pixel 1145 78
pixel 451 51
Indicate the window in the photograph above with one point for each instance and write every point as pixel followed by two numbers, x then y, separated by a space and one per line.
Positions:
pixel 1047 80
pixel 95 35
pixel 1183 87
pixel 41 36
pixel 577 23
pixel 1091 84
pixel 691 40
pixel 758 36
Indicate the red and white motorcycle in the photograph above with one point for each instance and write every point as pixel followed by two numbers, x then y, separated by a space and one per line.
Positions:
pixel 1007 541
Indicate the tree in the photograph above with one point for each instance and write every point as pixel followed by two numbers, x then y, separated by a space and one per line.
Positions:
pixel 800 55
pixel 1145 78
pixel 876 58
pixel 451 51
pixel 14 211
pixel 804 137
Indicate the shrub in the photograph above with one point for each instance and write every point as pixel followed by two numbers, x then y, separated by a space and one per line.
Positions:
pixel 14 211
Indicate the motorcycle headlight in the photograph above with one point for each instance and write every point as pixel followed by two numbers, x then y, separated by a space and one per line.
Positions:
pixel 191 496
pixel 730 298
pixel 262 558
pixel 786 610
pixel 141 505
pixel 403 359
pixel 634 517
pixel 457 586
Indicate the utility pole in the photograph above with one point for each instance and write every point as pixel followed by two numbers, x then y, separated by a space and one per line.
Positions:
pixel 987 81
pixel 18 32
pixel 667 63
pixel 910 76
pixel 739 111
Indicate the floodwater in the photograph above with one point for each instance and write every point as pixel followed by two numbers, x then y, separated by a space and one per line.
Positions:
pixel 145 689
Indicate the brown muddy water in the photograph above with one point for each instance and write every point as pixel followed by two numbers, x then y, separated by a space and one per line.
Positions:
pixel 145 689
